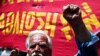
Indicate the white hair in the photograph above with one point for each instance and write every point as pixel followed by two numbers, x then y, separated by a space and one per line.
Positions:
pixel 38 32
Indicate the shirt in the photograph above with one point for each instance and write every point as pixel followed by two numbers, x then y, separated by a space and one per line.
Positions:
pixel 87 48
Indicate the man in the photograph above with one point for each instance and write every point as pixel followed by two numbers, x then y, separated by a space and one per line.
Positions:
pixel 11 52
pixel 5 51
pixel 38 43
pixel 84 39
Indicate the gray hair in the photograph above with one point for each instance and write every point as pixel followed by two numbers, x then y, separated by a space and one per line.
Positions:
pixel 38 32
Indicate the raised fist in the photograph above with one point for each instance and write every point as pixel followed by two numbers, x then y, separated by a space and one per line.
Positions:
pixel 71 12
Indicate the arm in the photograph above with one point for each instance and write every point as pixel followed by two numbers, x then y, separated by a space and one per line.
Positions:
pixel 84 39
pixel 72 14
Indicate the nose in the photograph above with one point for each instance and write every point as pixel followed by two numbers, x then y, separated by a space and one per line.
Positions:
pixel 37 48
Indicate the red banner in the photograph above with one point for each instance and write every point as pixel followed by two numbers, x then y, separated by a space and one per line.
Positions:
pixel 19 17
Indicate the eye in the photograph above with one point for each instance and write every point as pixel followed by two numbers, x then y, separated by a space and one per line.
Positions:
pixel 33 46
pixel 43 46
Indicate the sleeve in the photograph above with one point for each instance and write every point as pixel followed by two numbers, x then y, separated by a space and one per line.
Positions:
pixel 87 48
pixel 93 40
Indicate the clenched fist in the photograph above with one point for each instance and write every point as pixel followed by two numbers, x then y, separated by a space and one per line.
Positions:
pixel 71 12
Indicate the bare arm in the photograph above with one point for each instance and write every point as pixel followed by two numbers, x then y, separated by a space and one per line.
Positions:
pixel 72 14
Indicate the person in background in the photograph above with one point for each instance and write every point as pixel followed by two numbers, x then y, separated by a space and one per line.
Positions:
pixel 38 43
pixel 5 51
pixel 85 40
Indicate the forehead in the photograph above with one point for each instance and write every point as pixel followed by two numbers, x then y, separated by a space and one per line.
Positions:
pixel 38 38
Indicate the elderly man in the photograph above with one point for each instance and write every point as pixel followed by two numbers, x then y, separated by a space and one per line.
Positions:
pixel 84 39
pixel 38 43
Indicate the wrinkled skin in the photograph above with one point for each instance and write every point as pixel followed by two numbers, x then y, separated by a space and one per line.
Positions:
pixel 39 46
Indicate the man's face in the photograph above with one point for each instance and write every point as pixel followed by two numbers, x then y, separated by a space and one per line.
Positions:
pixel 38 45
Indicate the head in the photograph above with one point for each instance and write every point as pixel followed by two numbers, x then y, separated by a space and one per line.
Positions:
pixel 38 43
pixel 5 51
pixel 8 52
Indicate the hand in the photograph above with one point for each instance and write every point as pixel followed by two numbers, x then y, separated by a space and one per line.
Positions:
pixel 71 12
